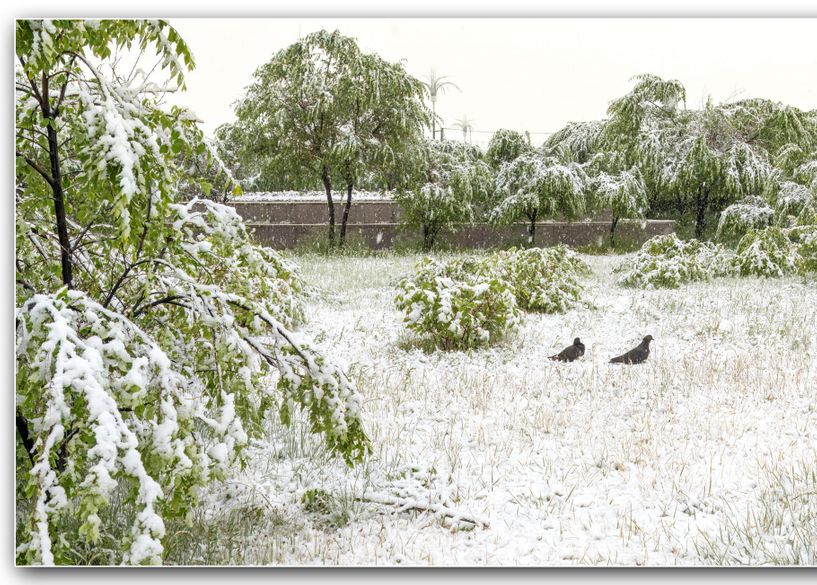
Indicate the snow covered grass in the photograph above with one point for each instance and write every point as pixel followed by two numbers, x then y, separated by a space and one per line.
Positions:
pixel 705 454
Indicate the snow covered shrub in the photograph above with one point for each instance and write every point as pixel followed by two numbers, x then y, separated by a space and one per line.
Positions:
pixel 544 279
pixel 805 238
pixel 459 304
pixel 792 199
pixel 737 219
pixel 767 252
pixel 667 262
pixel 154 338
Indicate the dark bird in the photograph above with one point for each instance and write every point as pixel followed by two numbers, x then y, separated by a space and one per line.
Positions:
pixel 636 355
pixel 570 353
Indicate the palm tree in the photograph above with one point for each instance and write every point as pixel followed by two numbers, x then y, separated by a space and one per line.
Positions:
pixel 435 84
pixel 466 125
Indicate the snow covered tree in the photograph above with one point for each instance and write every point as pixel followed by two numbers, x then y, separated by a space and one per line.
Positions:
pixel 153 337
pixel 323 109
pixel 577 141
pixel 703 160
pixel 747 214
pixel 455 181
pixel 534 187
pixel 714 164
pixel 624 193
pixel 505 146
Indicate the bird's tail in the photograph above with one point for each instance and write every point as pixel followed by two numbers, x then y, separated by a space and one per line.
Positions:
pixel 553 357
pixel 617 360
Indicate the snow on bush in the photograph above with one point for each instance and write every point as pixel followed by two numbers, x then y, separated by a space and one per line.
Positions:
pixel 544 279
pixel 459 304
pixel 766 252
pixel 792 199
pixel 737 219
pixel 805 238
pixel 154 339
pixel 667 262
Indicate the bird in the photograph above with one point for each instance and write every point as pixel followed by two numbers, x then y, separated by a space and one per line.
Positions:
pixel 636 355
pixel 570 353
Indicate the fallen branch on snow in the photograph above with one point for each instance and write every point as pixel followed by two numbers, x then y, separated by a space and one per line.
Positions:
pixel 406 504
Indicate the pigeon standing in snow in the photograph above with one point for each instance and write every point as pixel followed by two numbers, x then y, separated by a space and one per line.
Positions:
pixel 570 353
pixel 636 355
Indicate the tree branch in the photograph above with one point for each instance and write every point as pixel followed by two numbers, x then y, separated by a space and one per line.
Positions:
pixel 37 167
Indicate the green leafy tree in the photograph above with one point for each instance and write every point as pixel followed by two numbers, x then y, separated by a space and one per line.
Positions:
pixel 505 146
pixel 534 186
pixel 714 165
pixel 153 337
pixel 455 182
pixel 579 142
pixel 321 109
pixel 624 193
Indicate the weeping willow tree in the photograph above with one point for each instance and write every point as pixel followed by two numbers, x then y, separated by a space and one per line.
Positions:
pixel 692 159
pixel 153 337
pixel 534 186
pixel 455 181
pixel 713 165
pixel 322 110
pixel 505 146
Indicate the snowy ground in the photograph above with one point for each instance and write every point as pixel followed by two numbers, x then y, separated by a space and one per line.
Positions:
pixel 705 454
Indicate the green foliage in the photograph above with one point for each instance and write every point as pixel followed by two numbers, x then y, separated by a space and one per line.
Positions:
pixel 322 110
pixel 767 252
pixel 737 219
pixel 544 279
pixel 791 202
pixel 455 181
pixel 577 141
pixel 624 193
pixel 668 262
pixel 506 146
pixel 155 343
pixel 805 238
pixel 534 186
pixel 473 302
pixel 459 304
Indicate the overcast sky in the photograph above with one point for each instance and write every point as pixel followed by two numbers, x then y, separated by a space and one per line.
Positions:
pixel 527 74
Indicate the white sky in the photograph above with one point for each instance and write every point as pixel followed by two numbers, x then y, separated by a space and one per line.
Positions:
pixel 534 74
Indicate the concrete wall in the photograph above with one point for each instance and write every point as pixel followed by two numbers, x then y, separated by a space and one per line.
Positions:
pixel 380 236
pixel 376 225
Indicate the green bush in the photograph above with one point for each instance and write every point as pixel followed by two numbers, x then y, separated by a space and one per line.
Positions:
pixel 544 279
pixel 766 252
pixel 737 219
pixel 806 239
pixel 667 262
pixel 460 304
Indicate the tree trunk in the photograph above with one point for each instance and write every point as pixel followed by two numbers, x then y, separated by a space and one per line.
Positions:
pixel 57 190
pixel 433 119
pixel 613 232
pixel 532 230
pixel 327 185
pixel 701 205
pixel 346 214
pixel 25 436
pixel 428 237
